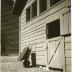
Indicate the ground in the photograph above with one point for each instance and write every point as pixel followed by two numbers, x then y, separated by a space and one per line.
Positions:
pixel 10 64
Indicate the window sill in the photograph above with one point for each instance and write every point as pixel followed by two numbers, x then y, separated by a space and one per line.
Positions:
pixel 31 19
pixel 36 16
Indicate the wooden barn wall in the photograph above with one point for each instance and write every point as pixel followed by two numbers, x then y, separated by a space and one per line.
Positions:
pixel 68 57
pixel 9 29
pixel 33 33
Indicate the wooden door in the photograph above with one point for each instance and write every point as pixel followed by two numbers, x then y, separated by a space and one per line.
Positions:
pixel 55 52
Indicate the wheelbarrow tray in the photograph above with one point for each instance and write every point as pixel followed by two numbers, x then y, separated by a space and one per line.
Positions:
pixel 24 54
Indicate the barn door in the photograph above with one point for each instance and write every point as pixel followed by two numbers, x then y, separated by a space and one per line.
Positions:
pixel 55 52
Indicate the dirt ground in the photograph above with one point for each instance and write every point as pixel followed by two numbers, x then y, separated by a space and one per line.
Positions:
pixel 11 65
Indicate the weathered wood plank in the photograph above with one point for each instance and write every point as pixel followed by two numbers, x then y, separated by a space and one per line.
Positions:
pixel 42 52
pixel 39 40
pixel 68 68
pixel 39 45
pixel 68 39
pixel 41 58
pixel 69 22
pixel 68 53
pixel 68 61
pixel 68 46
pixel 66 24
pixel 34 38
pixel 34 33
pixel 41 62
pixel 33 26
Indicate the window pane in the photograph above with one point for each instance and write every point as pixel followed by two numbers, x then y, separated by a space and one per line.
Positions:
pixel 34 9
pixel 53 29
pixel 43 5
pixel 52 2
pixel 28 14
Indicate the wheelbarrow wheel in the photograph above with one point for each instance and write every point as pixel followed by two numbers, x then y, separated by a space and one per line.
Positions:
pixel 26 63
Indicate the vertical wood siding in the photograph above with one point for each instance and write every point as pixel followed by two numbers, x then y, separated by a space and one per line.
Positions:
pixel 68 53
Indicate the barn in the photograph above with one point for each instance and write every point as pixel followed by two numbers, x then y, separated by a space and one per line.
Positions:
pixel 45 27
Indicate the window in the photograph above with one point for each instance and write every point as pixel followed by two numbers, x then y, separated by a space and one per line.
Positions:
pixel 52 2
pixel 43 5
pixel 28 14
pixel 53 29
pixel 34 9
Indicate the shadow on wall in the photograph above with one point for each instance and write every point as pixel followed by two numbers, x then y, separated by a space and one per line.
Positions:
pixel 3 49
pixel 9 29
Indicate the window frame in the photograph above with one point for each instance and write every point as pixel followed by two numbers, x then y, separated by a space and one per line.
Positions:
pixel 28 16
pixel 32 9
pixel 50 32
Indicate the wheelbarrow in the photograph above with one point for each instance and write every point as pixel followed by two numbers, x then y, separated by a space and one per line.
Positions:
pixel 25 56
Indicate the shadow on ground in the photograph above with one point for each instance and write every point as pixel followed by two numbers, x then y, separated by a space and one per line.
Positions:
pixel 10 64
